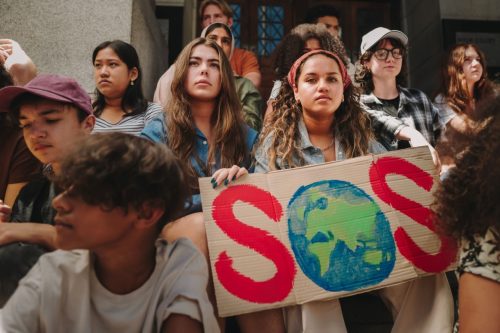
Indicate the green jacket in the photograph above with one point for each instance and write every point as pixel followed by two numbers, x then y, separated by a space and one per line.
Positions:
pixel 251 102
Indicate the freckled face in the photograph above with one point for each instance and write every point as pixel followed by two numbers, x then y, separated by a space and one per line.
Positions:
pixel 319 87
pixel 203 81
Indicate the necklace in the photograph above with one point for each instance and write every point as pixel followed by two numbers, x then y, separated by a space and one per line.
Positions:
pixel 329 146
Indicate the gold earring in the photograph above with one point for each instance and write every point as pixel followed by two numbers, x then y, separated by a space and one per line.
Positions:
pixel 342 98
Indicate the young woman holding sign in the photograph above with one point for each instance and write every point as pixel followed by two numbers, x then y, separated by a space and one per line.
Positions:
pixel 317 118
pixel 204 127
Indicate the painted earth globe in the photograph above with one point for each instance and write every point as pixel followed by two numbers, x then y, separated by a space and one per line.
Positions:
pixel 341 239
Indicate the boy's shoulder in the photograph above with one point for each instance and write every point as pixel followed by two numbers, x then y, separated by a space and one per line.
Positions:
pixel 61 264
pixel 179 255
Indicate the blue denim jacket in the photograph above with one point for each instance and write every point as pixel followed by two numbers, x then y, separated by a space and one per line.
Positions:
pixel 156 131
pixel 312 155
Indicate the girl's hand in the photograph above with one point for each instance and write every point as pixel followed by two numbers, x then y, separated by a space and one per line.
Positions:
pixel 227 175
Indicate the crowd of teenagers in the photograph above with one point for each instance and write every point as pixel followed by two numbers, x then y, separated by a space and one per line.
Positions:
pixel 101 224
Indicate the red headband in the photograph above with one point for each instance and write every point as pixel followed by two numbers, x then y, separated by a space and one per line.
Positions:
pixel 293 71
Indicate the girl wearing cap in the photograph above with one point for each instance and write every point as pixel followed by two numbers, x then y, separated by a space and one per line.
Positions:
pixel 204 127
pixel 120 105
pixel 316 118
pixel 401 117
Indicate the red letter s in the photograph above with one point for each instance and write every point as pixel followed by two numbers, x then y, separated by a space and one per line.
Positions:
pixel 431 263
pixel 279 286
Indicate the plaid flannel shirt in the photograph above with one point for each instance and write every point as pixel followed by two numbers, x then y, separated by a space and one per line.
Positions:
pixel 415 110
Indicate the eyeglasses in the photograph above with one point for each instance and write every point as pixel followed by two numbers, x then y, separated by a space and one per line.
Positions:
pixel 383 54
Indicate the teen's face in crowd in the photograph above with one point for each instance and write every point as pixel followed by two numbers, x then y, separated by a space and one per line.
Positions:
pixel 76 220
pixel 222 38
pixel 111 74
pixel 311 45
pixel 385 69
pixel 213 14
pixel 319 87
pixel 203 81
pixel 332 25
pixel 473 70
pixel 51 129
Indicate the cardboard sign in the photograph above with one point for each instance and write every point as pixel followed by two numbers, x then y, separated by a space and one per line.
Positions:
pixel 324 231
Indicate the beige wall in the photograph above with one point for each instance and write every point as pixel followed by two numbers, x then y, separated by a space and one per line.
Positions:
pixel 150 45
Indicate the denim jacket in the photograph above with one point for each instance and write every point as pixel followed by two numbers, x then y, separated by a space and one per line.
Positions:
pixel 156 131
pixel 312 155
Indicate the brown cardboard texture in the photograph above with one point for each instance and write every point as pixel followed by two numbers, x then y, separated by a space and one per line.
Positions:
pixel 324 231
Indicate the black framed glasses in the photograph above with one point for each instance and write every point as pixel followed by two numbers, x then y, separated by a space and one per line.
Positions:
pixel 383 54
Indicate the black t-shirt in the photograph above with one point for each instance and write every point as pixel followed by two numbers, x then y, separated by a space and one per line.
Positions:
pixel 392 106
pixel 34 203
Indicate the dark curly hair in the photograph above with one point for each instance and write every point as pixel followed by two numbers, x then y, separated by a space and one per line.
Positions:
pixel 117 170
pixel 293 44
pixel 363 75
pixel 466 203
pixel 351 126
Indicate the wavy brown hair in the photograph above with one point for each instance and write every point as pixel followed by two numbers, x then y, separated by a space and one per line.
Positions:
pixel 364 76
pixel 351 126
pixel 228 128
pixel 453 84
pixel 466 203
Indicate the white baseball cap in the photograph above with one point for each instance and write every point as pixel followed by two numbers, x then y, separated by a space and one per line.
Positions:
pixel 377 34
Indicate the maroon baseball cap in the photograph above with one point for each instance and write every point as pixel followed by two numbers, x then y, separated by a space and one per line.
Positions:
pixel 53 87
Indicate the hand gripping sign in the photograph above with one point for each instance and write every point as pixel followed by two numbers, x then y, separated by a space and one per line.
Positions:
pixel 324 231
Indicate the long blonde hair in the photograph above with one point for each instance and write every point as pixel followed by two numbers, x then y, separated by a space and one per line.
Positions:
pixel 228 146
pixel 351 125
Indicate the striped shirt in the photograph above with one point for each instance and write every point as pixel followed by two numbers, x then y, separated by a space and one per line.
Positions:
pixel 130 124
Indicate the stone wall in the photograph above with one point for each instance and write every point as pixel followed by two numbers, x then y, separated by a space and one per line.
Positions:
pixel 60 35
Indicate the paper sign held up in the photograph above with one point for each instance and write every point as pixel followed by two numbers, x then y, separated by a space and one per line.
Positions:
pixel 324 231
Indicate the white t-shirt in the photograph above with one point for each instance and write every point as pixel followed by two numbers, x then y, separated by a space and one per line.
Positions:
pixel 61 293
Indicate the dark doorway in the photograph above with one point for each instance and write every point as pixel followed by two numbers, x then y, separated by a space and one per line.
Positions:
pixel 170 19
